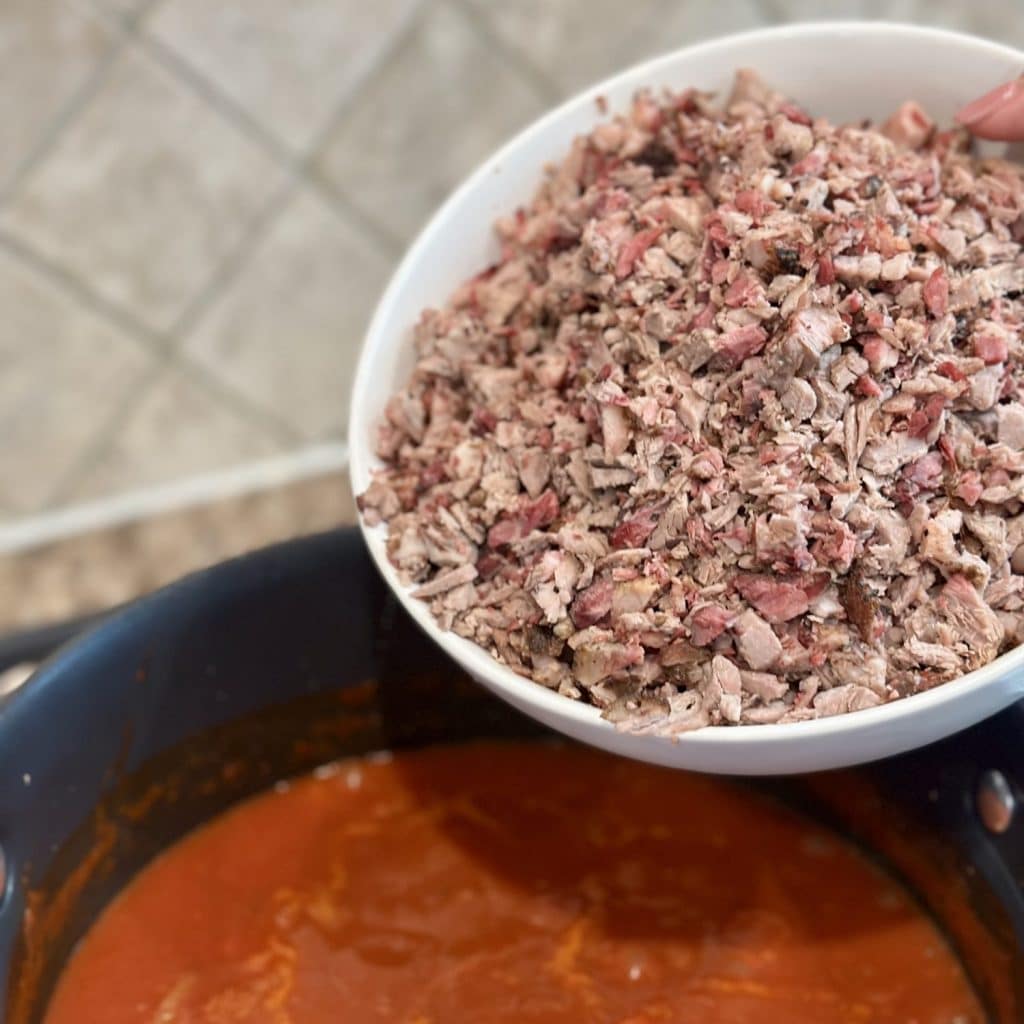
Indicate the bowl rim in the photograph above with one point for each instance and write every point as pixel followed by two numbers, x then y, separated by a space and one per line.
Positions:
pixel 502 680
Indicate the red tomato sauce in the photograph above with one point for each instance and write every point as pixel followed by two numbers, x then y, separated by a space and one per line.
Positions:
pixel 511 883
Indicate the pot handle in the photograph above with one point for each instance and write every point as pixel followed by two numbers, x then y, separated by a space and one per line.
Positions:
pixel 36 644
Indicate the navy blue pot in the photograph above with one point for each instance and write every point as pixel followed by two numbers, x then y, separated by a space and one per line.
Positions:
pixel 174 707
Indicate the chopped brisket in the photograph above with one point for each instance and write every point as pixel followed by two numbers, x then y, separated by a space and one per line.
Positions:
pixel 733 432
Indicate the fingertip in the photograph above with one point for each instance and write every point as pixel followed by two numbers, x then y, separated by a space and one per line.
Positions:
pixel 985 106
pixel 1005 122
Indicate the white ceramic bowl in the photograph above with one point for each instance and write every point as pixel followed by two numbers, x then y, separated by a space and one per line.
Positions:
pixel 845 71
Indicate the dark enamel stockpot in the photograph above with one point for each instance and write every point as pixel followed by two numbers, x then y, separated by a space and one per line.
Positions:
pixel 213 688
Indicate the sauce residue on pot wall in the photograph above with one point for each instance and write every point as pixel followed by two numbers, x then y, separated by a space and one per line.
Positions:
pixel 505 882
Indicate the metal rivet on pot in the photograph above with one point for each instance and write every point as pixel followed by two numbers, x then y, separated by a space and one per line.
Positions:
pixel 995 802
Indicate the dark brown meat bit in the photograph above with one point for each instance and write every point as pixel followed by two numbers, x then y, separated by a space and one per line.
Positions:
pixel 788 259
pixel 543 642
pixel 860 607
pixel 658 157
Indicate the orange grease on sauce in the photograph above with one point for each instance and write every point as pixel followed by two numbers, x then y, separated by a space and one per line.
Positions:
pixel 511 883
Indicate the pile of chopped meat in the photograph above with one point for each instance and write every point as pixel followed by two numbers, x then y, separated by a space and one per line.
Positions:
pixel 734 430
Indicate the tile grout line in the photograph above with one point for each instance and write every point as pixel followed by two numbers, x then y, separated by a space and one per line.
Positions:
pixel 134 20
pixel 295 167
pixel 70 285
pixel 348 212
pixel 225 396
pixel 237 401
pixel 293 163
pixel 535 75
pixel 233 263
pixel 104 437
pixel 162 345
pixel 121 21
pixel 63 119
pixel 415 10
pixel 772 11
pixel 305 165
pixel 336 117
pixel 179 69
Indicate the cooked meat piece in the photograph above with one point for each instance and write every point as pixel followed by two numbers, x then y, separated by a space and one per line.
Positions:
pixel 631 596
pixel 722 690
pixel 973 621
pixel 733 430
pixel 1011 425
pixel 765 686
pixel 594 662
pixel 776 600
pixel 860 607
pixel 757 644
pixel 939 546
pixel 860 666
pixel 799 400
pixel 798 352
pixel 534 470
pixel 593 604
pixel 707 622
pixel 909 127
pixel 683 711
pixel 992 532
pixel 841 699
pixel 445 581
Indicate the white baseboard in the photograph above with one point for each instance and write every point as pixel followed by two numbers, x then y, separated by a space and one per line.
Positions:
pixel 237 481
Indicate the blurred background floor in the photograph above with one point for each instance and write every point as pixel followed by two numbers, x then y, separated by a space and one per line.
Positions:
pixel 199 203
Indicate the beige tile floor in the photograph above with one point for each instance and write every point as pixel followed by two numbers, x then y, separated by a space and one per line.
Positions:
pixel 199 201
pixel 101 568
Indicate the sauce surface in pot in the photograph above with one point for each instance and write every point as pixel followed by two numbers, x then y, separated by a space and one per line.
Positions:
pixel 511 883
